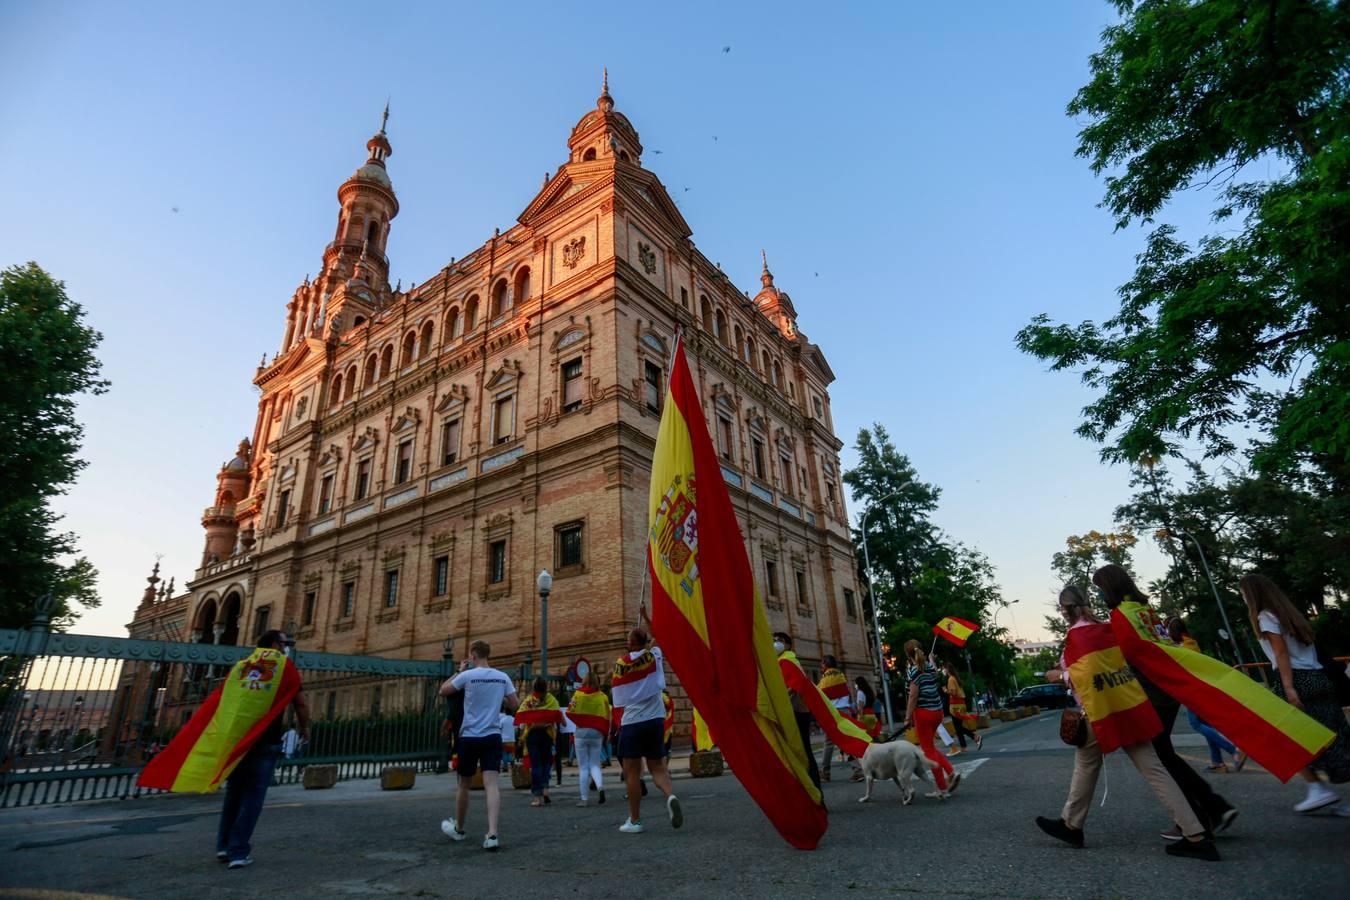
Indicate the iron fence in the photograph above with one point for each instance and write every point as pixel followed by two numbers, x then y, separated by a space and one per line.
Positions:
pixel 80 715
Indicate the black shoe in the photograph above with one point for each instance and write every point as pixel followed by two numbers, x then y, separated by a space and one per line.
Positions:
pixel 644 787
pixel 1057 829
pixel 602 798
pixel 1204 849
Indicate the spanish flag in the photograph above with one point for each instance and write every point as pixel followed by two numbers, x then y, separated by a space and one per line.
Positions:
pixel 1282 738
pixel 1112 697
pixel 539 712
pixel 958 631
pixel 703 739
pixel 668 729
pixel 226 726
pixel 846 734
pixel 589 708
pixel 711 624
pixel 833 684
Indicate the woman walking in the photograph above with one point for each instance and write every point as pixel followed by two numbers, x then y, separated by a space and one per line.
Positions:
pixel 924 712
pixel 589 711
pixel 957 696
pixel 1118 714
pixel 539 715
pixel 1287 639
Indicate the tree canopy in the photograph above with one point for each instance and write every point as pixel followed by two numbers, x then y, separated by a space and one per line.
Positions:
pixel 1250 326
pixel 47 353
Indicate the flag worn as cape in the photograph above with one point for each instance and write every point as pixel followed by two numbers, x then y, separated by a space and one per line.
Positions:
pixel 703 739
pixel 834 684
pixel 843 732
pixel 589 709
pixel 636 676
pixel 539 712
pixel 711 623
pixel 1281 737
pixel 958 631
pixel 224 728
pixel 1112 697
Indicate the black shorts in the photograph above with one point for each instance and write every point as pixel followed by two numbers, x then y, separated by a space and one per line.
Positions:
pixel 643 740
pixel 483 751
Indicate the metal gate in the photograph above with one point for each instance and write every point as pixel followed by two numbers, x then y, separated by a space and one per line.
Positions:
pixel 81 714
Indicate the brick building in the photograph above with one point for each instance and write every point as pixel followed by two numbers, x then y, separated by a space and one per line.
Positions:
pixel 420 454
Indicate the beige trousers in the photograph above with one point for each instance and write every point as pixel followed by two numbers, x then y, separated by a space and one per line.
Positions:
pixel 1087 765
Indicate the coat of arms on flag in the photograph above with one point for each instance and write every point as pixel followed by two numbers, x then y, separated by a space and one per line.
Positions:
pixel 674 532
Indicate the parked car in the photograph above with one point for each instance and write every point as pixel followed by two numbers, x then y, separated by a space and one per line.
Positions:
pixel 1046 696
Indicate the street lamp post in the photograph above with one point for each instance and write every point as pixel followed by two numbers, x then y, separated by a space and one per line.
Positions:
pixel 545 584
pixel 876 611
pixel 1223 613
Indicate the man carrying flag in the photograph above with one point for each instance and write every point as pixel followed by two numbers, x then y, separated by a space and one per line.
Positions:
pixel 236 734
pixel 711 623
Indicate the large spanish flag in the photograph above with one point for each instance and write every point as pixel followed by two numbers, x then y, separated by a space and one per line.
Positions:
pixel 958 631
pixel 845 733
pixel 702 737
pixel 1279 736
pixel 215 739
pixel 1112 697
pixel 710 623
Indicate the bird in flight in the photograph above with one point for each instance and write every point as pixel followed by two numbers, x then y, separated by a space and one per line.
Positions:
pixel 173 209
pixel 714 137
pixel 657 152
pixel 726 49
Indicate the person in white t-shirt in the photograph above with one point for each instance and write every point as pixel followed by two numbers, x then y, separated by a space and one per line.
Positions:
pixel 507 723
pixel 486 690
pixel 1300 679
pixel 642 730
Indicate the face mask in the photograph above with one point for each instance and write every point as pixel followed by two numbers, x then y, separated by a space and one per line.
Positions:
pixel 778 647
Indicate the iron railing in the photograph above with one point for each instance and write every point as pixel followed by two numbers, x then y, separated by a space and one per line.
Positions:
pixel 81 714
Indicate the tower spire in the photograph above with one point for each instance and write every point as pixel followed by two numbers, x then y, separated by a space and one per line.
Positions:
pixel 765 277
pixel 605 102
pixel 384 119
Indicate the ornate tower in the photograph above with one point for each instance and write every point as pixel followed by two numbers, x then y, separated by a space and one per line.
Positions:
pixel 222 528
pixel 604 134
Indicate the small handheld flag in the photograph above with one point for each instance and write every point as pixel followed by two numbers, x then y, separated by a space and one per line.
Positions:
pixel 958 631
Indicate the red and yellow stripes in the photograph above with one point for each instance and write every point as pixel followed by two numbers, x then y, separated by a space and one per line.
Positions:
pixel 226 726
pixel 668 725
pixel 844 732
pixel 1112 697
pixel 958 631
pixel 711 624
pixel 1280 737
pixel 539 712
pixel 702 737
pixel 833 684
pixel 635 677
pixel 589 708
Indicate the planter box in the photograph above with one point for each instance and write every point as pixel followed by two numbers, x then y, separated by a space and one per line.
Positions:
pixel 520 778
pixel 397 778
pixel 982 720
pixel 317 778
pixel 706 764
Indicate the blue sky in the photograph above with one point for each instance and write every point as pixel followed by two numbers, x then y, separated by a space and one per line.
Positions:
pixel 908 168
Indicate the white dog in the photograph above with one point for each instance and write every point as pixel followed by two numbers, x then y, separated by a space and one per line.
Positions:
pixel 899 761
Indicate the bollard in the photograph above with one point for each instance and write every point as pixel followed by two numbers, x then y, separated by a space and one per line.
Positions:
pixel 320 777
pixel 397 778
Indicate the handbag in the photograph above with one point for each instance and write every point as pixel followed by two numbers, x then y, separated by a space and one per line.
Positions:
pixel 1073 727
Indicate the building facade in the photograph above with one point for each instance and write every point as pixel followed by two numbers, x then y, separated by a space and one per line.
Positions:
pixel 420 454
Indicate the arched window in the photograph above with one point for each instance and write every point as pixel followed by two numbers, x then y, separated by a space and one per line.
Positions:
pixel 454 325
pixel 359 321
pixel 767 366
pixel 705 313
pixel 350 387
pixel 501 298
pixel 409 347
pixel 471 314
pixel 740 341
pixel 373 232
pixel 720 327
pixel 425 346
pixel 372 373
pixel 623 155
pixel 335 397
pixel 522 291
pixel 750 352
pixel 589 154
pixel 342 226
pixel 387 360
pixel 777 375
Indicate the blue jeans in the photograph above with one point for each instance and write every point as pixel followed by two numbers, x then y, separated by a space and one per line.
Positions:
pixel 540 747
pixel 245 791
pixel 1218 744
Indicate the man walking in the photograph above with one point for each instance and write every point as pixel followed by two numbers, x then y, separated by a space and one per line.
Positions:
pixel 782 643
pixel 480 740
pixel 835 687
pixel 639 679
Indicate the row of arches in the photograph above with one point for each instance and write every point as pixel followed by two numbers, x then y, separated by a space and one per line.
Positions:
pixel 714 320
pixel 417 344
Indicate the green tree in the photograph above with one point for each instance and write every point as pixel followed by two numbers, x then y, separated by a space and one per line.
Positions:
pixel 1084 554
pixel 47 353
pixel 1251 325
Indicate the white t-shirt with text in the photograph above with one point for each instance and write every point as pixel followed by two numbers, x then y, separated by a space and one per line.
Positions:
pixel 484 689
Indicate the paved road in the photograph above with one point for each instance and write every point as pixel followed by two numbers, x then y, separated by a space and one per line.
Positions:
pixel 356 841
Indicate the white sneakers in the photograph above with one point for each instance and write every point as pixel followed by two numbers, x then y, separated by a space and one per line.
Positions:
pixel 240 863
pixel 490 842
pixel 1319 795
pixel 631 827
pixel 451 830
pixel 673 809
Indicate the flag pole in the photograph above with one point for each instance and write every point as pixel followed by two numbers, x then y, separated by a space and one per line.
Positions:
pixel 642 589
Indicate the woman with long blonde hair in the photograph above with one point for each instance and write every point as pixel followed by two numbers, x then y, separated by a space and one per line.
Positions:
pixel 1287 639
pixel 924 712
